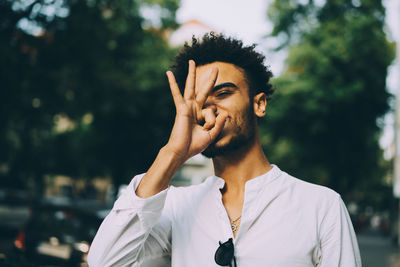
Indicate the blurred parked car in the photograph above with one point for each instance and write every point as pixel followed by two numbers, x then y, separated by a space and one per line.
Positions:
pixel 14 208
pixel 59 232
pixel 14 197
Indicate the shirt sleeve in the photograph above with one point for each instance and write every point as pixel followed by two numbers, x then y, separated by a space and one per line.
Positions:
pixel 136 231
pixel 337 238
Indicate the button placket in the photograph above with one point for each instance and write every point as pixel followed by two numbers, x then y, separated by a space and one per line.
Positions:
pixel 223 218
pixel 250 196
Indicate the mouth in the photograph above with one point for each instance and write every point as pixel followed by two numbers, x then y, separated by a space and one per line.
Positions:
pixel 223 131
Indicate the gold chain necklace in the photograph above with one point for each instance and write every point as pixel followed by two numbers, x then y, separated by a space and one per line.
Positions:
pixel 235 226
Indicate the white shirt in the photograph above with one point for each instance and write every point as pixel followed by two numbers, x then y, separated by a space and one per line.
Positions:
pixel 285 222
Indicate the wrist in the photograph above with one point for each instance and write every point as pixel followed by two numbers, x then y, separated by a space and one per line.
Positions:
pixel 172 154
pixel 160 173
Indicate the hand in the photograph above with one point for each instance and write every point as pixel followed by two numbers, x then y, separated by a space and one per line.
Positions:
pixel 195 127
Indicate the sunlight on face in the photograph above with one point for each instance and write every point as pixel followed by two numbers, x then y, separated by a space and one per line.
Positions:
pixel 231 94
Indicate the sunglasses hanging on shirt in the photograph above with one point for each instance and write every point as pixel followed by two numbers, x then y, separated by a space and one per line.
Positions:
pixel 225 253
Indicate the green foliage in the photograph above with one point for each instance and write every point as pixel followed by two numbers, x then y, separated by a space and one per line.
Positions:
pixel 94 66
pixel 322 122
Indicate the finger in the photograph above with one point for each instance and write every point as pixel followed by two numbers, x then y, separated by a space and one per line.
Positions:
pixel 206 89
pixel 219 125
pixel 209 118
pixel 176 93
pixel 190 81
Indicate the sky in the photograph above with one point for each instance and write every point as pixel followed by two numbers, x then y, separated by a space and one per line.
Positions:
pixel 247 20
pixel 393 79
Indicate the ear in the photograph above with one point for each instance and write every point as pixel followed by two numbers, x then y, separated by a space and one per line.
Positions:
pixel 260 104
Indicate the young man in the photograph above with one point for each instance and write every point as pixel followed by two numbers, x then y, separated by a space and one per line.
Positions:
pixel 250 213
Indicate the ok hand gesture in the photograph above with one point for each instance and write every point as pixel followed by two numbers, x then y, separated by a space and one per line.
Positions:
pixel 196 126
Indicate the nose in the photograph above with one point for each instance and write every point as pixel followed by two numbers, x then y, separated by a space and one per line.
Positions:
pixel 210 103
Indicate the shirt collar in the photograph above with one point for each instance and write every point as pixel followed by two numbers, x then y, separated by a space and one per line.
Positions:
pixel 254 184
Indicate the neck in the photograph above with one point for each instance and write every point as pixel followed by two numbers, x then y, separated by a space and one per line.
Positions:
pixel 238 167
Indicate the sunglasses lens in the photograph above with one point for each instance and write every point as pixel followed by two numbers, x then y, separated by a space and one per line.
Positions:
pixel 224 254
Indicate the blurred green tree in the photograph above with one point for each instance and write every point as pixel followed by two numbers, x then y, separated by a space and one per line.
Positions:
pixel 84 88
pixel 323 121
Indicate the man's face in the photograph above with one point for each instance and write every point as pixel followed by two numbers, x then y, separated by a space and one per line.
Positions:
pixel 231 94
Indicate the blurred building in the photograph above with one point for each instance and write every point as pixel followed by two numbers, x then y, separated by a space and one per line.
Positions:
pixel 396 159
pixel 194 171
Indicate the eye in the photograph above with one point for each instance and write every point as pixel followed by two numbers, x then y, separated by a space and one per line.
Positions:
pixel 223 93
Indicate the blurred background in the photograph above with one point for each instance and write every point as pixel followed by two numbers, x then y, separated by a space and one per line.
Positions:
pixel 85 105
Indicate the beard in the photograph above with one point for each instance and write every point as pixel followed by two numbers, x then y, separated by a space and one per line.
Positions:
pixel 244 132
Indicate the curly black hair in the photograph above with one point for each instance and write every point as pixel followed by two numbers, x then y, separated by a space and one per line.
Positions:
pixel 212 47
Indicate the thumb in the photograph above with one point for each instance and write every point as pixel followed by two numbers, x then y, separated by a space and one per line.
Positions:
pixel 219 125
